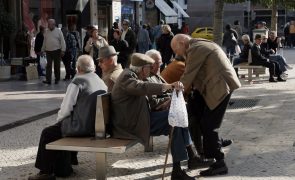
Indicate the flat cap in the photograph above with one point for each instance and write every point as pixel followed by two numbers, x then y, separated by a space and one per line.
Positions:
pixel 138 59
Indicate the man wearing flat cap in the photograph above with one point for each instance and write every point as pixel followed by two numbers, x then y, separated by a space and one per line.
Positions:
pixel 133 119
pixel 108 63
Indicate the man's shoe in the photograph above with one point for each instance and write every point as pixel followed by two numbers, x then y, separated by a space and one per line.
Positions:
pixel 281 80
pixel 226 142
pixel 197 162
pixel 46 82
pixel 42 176
pixel 218 168
pixel 272 80
pixel 179 174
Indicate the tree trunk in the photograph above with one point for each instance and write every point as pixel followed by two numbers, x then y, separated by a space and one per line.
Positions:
pixel 274 16
pixel 218 22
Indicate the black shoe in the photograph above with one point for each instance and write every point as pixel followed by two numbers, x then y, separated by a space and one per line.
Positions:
pixel 281 80
pixel 197 162
pixel 66 79
pixel 46 82
pixel 42 176
pixel 56 81
pixel 218 168
pixel 226 142
pixel 180 174
pixel 272 80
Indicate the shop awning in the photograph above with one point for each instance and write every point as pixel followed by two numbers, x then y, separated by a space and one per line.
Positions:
pixel 179 8
pixel 165 8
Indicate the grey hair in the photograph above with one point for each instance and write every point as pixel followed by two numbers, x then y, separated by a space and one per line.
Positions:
pixel 153 53
pixel 136 69
pixel 85 63
pixel 246 37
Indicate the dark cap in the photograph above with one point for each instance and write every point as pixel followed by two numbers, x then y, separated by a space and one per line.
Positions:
pixel 257 36
pixel 138 60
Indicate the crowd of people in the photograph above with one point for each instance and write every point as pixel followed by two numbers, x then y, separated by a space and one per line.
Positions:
pixel 141 83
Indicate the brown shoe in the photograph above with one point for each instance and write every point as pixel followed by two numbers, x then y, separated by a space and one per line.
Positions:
pixel 42 176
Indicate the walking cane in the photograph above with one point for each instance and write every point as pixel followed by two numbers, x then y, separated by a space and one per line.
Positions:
pixel 169 145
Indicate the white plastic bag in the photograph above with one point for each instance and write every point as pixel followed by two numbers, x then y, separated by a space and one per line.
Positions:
pixel 237 49
pixel 43 63
pixel 177 112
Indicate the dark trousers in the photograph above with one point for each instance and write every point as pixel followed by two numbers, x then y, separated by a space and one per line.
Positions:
pixel 210 121
pixel 273 67
pixel 52 161
pixel 181 138
pixel 55 57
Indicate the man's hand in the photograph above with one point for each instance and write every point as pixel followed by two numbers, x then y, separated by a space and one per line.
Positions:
pixel 178 86
pixel 62 54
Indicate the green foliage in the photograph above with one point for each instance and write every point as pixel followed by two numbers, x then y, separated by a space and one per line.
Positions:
pixel 7 22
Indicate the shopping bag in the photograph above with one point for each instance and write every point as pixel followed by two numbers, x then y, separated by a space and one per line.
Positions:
pixel 43 63
pixel 177 112
pixel 31 72
pixel 237 49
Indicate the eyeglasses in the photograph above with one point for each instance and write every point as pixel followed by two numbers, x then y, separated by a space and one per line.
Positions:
pixel 124 24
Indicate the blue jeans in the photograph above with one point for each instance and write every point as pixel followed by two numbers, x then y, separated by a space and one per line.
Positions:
pixel 281 60
pixel 181 138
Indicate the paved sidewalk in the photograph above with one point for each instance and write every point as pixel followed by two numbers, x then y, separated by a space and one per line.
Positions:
pixel 263 135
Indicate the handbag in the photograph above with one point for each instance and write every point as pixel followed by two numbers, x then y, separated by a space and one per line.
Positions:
pixel 177 112
pixel 32 72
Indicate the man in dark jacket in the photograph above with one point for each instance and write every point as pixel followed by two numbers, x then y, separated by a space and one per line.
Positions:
pixel 259 59
pixel 129 36
pixel 79 105
pixel 37 48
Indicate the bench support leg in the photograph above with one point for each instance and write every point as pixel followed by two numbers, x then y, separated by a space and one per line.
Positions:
pixel 101 166
pixel 150 147
pixel 250 75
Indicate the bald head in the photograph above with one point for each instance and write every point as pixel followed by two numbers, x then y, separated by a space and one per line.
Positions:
pixel 180 43
pixel 51 24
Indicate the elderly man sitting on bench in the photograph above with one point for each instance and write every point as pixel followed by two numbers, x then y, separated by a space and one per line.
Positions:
pixel 76 117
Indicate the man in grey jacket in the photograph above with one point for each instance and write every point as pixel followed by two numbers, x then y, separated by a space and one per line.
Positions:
pixel 79 106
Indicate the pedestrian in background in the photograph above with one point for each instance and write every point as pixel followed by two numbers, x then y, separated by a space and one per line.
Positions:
pixel 230 40
pixel 130 37
pixel 143 39
pixel 163 45
pixel 121 46
pixel 88 29
pixel 54 45
pixel 38 48
pixel 92 47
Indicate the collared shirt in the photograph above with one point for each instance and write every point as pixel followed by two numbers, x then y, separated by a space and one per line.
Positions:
pixel 53 40
pixel 68 102
pixel 111 76
pixel 124 34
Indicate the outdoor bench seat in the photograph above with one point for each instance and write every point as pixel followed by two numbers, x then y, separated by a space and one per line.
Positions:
pixel 101 145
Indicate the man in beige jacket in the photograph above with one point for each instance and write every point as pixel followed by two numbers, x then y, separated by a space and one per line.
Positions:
pixel 211 78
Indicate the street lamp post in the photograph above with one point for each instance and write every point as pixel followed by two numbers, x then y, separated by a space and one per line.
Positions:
pixel 249 10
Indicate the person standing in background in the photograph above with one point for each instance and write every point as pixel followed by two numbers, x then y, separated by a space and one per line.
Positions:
pixel 54 45
pixel 37 48
pixel 92 47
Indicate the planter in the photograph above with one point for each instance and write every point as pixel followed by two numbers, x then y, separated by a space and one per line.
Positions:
pixel 5 72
